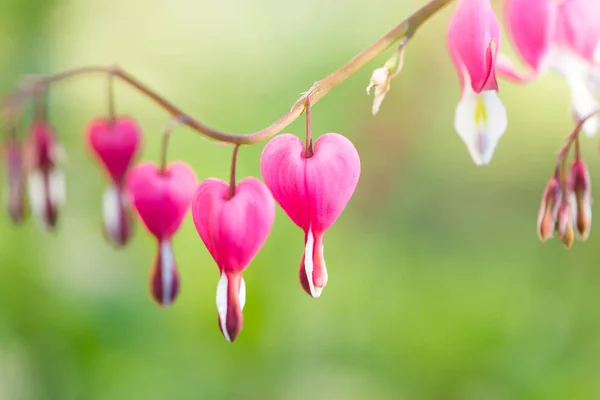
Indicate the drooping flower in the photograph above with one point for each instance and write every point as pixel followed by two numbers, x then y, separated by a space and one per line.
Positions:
pixel 312 191
pixel 162 199
pixel 114 143
pixel 45 180
pixel 563 36
pixel 14 179
pixel 473 42
pixel 548 214
pixel 233 229
pixel 580 198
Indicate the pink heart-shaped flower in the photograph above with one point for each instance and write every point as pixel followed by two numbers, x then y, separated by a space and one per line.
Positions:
pixel 312 191
pixel 233 229
pixel 114 143
pixel 161 199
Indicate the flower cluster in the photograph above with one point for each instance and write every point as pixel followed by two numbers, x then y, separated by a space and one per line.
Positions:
pixel 233 219
pixel 312 182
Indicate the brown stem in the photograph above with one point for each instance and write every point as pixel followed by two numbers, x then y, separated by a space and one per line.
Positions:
pixel 233 167
pixel 111 98
pixel 573 137
pixel 308 151
pixel 165 144
pixel 320 89
pixel 41 103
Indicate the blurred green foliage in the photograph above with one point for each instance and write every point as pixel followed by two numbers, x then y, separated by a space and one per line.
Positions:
pixel 439 288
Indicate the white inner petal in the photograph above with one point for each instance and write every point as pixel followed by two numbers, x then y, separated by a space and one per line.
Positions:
pixel 480 121
pixel 242 293
pixel 37 194
pixel 111 210
pixel 57 188
pixel 308 263
pixel 222 304
pixel 166 270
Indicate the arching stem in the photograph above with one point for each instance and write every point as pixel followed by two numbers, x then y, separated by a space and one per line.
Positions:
pixel 320 89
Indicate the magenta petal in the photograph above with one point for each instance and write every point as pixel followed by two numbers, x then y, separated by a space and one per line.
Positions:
pixel 331 176
pixel 283 167
pixel 161 200
pixel 115 144
pixel 164 279
pixel 531 25
pixel 472 30
pixel 233 229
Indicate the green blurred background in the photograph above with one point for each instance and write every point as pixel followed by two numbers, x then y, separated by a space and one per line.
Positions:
pixel 439 288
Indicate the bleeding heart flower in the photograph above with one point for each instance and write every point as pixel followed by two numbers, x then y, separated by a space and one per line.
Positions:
pixel 473 42
pixel 162 200
pixel 563 36
pixel 312 191
pixel 233 229
pixel 45 181
pixel 115 143
pixel 15 177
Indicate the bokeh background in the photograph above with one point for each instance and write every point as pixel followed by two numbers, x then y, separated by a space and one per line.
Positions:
pixel 439 288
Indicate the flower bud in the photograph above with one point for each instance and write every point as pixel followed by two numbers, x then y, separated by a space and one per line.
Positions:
pixel 580 198
pixel 565 225
pixel 14 180
pixel 381 81
pixel 549 209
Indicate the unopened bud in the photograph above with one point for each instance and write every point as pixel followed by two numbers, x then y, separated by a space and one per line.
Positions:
pixel 381 81
pixel 14 180
pixel 580 199
pixel 548 212
pixel 565 225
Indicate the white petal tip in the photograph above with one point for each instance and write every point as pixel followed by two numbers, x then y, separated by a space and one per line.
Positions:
pixel 316 292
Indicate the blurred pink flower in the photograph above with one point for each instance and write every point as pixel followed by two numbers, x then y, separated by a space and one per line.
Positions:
pixel 563 36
